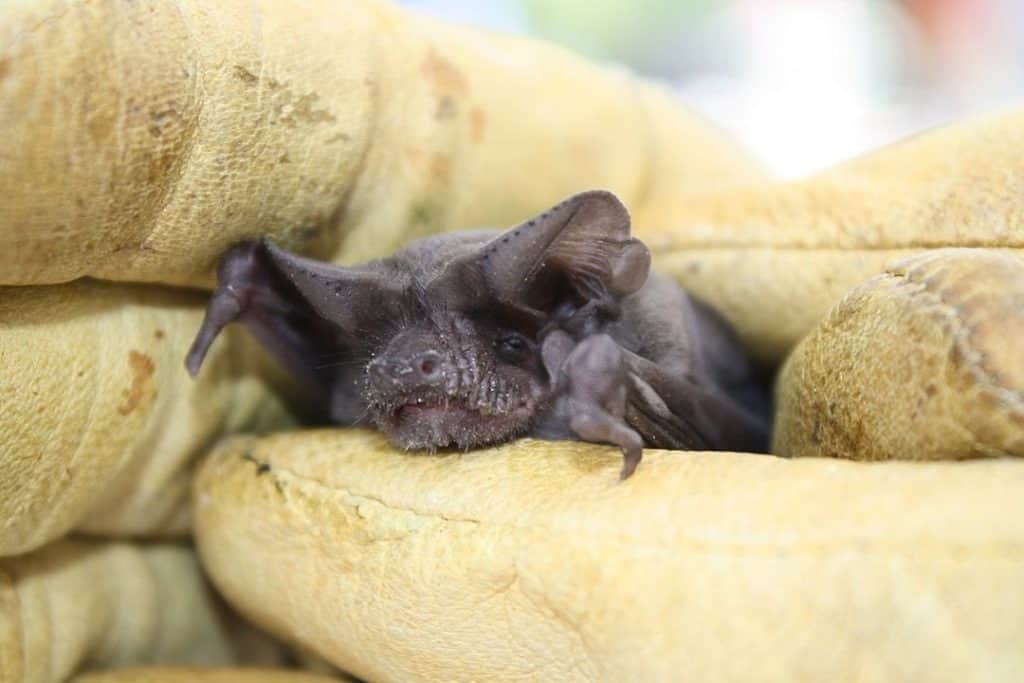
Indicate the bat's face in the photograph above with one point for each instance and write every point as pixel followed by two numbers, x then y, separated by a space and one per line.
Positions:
pixel 458 379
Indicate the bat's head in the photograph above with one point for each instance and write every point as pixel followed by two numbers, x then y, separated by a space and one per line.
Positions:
pixel 459 378
pixel 452 325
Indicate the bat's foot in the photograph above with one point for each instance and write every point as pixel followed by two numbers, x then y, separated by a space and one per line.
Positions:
pixel 595 374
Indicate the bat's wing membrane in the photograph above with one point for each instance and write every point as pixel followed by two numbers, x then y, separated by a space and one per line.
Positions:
pixel 679 413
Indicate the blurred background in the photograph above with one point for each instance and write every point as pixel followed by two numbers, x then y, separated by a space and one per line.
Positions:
pixel 804 83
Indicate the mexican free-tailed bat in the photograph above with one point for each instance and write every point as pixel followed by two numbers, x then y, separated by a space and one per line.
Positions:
pixel 553 329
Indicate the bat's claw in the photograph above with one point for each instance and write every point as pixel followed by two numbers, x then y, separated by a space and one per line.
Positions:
pixel 630 459
pixel 592 423
pixel 222 309
pixel 236 273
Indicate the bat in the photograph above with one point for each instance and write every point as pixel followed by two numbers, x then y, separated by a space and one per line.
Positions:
pixel 554 329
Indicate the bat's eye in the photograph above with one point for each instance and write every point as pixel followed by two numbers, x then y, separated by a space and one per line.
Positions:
pixel 512 346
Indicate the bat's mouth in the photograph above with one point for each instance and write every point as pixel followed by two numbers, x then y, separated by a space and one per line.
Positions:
pixel 432 422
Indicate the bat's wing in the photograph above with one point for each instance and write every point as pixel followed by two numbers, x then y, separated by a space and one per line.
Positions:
pixel 610 395
pixel 681 412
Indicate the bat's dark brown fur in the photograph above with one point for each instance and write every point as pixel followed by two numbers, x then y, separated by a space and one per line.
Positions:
pixel 553 329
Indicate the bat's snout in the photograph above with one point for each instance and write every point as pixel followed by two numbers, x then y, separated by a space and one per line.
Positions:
pixel 421 370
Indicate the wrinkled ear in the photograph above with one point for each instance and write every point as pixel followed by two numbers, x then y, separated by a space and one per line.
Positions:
pixel 352 297
pixel 583 243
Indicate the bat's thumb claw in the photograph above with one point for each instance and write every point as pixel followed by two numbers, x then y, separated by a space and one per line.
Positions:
pixel 224 307
pixel 631 458
pixel 194 360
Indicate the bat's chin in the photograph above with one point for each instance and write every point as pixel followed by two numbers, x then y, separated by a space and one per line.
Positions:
pixel 432 425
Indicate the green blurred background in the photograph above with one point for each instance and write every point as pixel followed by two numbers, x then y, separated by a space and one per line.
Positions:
pixel 805 83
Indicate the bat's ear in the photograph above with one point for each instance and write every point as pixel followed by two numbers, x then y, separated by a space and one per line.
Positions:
pixel 351 297
pixel 582 244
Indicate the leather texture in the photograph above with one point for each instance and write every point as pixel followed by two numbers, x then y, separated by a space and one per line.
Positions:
pixel 78 603
pixel 924 362
pixel 100 423
pixel 775 257
pixel 340 129
pixel 201 675
pixel 534 562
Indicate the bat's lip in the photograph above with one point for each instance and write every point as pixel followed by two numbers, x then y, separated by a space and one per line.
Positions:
pixel 432 403
pixel 441 422
pixel 449 405
pixel 438 411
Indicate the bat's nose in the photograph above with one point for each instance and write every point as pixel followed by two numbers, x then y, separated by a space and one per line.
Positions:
pixel 418 370
pixel 428 366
